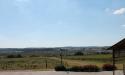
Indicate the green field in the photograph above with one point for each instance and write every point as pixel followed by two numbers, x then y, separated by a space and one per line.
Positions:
pixel 98 60
pixel 48 63
pixel 28 63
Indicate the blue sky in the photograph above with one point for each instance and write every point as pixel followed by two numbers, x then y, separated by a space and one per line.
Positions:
pixel 54 23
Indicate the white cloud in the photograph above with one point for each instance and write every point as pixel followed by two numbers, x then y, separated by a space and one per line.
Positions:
pixel 119 11
pixel 123 25
pixel 22 5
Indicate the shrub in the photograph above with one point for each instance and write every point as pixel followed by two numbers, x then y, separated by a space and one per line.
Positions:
pixel 60 68
pixel 76 69
pixel 14 56
pixel 91 68
pixel 78 53
pixel 86 68
pixel 10 56
pixel 108 67
pixel 19 56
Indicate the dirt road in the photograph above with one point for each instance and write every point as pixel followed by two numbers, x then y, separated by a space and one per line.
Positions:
pixel 57 73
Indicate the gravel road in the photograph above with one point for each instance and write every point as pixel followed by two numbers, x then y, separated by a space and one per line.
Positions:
pixel 57 73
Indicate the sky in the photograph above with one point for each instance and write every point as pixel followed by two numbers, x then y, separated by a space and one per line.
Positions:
pixel 59 23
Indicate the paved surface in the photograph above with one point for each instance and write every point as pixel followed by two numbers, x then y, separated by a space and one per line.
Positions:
pixel 57 73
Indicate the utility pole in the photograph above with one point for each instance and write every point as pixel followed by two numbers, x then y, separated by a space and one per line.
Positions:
pixel 46 62
pixel 61 57
pixel 113 58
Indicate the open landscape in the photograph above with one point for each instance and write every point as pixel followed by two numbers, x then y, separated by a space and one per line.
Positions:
pixel 62 37
pixel 48 58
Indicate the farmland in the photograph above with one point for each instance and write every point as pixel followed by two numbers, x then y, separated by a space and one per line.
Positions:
pixel 48 63
pixel 47 59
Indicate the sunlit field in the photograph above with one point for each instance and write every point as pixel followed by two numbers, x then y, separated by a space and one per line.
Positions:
pixel 48 63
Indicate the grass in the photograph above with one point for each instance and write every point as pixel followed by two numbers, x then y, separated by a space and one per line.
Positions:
pixel 39 63
pixel 98 60
pixel 27 63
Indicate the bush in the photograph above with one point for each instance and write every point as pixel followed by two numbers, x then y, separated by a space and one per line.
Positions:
pixel 15 56
pixel 78 53
pixel 10 56
pixel 86 68
pixel 108 67
pixel 91 68
pixel 76 69
pixel 60 68
pixel 19 56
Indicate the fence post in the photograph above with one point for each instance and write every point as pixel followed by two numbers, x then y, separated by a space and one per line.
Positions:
pixel 46 62
pixel 123 69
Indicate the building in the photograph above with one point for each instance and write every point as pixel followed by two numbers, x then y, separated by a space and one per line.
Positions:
pixel 118 52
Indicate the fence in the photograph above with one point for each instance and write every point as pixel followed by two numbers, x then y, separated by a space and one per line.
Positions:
pixel 20 66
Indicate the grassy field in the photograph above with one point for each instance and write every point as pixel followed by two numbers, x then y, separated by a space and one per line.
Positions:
pixel 39 63
pixel 93 58
pixel 98 60
pixel 33 63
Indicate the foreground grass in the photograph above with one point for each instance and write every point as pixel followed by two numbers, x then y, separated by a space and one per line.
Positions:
pixel 39 63
pixel 33 63
pixel 95 58
pixel 98 60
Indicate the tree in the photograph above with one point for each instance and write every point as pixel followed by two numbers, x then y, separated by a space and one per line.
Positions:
pixel 19 56
pixel 79 53
pixel 10 56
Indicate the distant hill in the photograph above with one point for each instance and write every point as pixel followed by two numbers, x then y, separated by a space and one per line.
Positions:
pixel 52 51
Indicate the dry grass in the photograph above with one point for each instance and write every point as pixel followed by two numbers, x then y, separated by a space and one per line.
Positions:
pixel 39 63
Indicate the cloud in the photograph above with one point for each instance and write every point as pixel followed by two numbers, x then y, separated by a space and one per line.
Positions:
pixel 22 5
pixel 123 25
pixel 119 11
